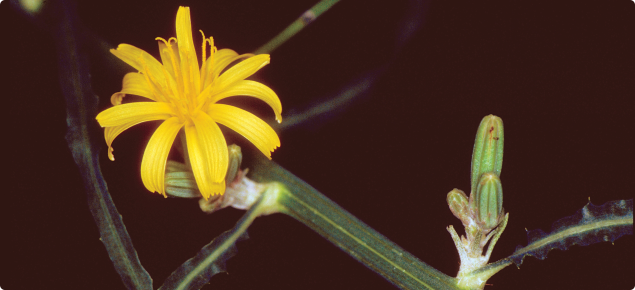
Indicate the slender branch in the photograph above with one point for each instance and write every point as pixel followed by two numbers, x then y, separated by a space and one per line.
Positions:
pixel 297 25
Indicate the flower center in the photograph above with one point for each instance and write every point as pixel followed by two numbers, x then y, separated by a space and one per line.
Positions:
pixel 174 88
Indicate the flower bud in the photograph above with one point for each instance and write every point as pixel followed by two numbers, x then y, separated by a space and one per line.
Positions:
pixel 458 202
pixel 179 181
pixel 488 149
pixel 487 203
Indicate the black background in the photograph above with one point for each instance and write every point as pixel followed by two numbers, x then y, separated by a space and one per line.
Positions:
pixel 561 74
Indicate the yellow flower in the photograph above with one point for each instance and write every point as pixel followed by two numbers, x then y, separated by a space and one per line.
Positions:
pixel 185 96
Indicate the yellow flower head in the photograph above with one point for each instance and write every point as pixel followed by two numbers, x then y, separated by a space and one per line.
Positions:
pixel 185 96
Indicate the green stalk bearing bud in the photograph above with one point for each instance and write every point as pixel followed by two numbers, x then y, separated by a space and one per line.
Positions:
pixel 458 202
pixel 487 203
pixel 488 149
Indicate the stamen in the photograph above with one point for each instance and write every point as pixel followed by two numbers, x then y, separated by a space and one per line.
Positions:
pixel 169 77
pixel 204 42
pixel 207 75
pixel 184 78
pixel 173 100
pixel 163 92
pixel 187 78
pixel 211 43
pixel 175 65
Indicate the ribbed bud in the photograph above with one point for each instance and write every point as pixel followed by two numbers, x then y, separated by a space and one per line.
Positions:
pixel 235 158
pixel 179 181
pixel 487 203
pixel 488 149
pixel 458 202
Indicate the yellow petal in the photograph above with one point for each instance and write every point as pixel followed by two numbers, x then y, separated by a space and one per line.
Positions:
pixel 110 133
pixel 208 154
pixel 224 53
pixel 136 84
pixel 117 98
pixel 252 89
pixel 156 155
pixel 134 113
pixel 187 53
pixel 240 71
pixel 248 125
pixel 147 64
pixel 223 60
pixel 226 58
pixel 137 58
pixel 207 69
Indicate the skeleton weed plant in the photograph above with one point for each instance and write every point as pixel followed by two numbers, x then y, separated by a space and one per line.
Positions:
pixel 184 93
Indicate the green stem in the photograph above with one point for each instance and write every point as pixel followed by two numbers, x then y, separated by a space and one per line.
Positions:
pixel 297 25
pixel 81 109
pixel 299 200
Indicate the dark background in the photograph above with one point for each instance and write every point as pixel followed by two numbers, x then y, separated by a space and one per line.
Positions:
pixel 561 74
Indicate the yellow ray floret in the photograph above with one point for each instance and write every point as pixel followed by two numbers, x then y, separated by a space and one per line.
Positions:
pixel 184 95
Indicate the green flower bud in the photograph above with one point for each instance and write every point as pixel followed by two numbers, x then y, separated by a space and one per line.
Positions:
pixel 458 202
pixel 487 203
pixel 488 149
pixel 179 181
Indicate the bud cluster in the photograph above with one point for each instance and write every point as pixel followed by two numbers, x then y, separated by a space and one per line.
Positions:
pixel 482 212
pixel 484 207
